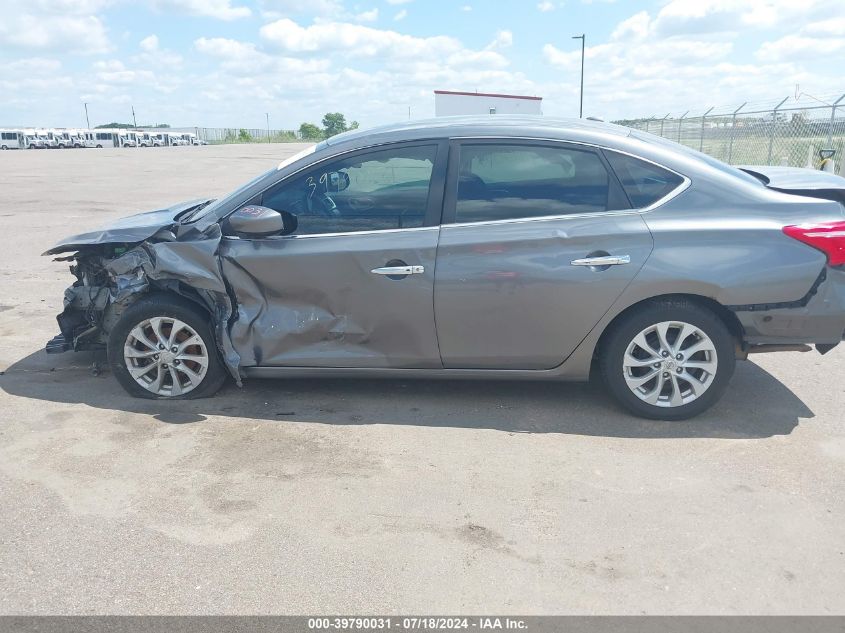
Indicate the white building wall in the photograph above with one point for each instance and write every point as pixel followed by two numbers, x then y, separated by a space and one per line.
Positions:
pixel 451 104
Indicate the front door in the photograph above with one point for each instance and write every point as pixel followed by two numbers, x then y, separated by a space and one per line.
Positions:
pixel 521 275
pixel 353 285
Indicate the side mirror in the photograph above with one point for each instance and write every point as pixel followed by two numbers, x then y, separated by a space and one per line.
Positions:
pixel 255 221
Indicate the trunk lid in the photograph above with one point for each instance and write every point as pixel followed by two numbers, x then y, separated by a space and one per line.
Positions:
pixel 799 181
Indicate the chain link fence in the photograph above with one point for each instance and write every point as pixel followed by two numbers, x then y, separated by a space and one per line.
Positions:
pixel 236 135
pixel 791 132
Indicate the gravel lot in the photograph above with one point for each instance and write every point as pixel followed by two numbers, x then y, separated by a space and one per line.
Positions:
pixel 326 496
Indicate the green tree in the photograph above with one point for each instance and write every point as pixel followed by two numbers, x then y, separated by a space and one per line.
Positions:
pixel 334 123
pixel 244 136
pixel 310 132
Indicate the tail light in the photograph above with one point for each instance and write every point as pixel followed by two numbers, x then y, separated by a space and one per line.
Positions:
pixel 829 238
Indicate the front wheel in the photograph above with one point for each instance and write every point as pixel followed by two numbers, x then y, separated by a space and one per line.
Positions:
pixel 162 347
pixel 668 360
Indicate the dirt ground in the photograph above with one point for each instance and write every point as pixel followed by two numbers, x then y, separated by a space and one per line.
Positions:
pixel 330 496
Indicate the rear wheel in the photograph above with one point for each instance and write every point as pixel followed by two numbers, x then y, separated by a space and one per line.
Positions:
pixel 668 360
pixel 163 347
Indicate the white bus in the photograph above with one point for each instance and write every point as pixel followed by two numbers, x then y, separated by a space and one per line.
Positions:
pixel 31 140
pixel 144 139
pixel 11 139
pixel 109 137
pixel 127 138
pixel 48 138
pixel 176 139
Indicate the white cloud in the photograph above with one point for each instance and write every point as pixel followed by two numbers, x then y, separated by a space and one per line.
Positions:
pixel 243 58
pixel 401 15
pixel 466 8
pixel 220 9
pixel 636 27
pixel 503 39
pixel 149 43
pixel 720 16
pixel 367 16
pixel 398 1
pixel 546 6
pixel 826 37
pixel 274 9
pixel 357 40
pixel 43 27
pixel 154 56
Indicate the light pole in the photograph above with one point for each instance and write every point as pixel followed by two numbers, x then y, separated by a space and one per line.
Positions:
pixel 268 127
pixel 87 122
pixel 583 39
pixel 134 122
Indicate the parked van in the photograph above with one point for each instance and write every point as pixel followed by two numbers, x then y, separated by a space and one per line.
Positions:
pixel 77 138
pixel 48 138
pixel 175 139
pixel 126 138
pixel 106 138
pixel 143 139
pixel 31 140
pixel 11 139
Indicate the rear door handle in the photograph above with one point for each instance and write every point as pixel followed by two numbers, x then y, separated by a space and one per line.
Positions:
pixel 399 270
pixel 606 260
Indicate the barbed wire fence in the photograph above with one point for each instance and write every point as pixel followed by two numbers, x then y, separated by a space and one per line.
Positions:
pixel 789 132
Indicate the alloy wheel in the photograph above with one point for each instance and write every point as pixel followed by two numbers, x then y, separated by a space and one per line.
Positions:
pixel 165 356
pixel 670 364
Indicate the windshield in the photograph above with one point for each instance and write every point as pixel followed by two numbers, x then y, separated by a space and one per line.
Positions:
pixel 678 147
pixel 204 211
pixel 270 176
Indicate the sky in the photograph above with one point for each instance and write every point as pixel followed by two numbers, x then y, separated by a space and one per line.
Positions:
pixel 230 63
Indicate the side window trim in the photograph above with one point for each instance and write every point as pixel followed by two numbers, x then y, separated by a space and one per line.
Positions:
pixel 434 204
pixel 615 190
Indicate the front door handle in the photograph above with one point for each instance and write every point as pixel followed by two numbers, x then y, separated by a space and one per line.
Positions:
pixel 605 260
pixel 398 270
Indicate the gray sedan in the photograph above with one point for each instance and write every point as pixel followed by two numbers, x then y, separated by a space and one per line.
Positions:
pixel 495 247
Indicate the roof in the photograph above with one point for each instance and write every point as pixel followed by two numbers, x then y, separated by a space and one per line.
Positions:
pixel 482 125
pixel 486 94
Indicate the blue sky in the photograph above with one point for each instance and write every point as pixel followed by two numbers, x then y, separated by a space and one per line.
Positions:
pixel 228 62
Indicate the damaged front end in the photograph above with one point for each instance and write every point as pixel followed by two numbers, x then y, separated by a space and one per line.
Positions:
pixel 112 273
pixel 82 323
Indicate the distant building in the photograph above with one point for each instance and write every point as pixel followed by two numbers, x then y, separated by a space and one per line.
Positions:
pixel 448 103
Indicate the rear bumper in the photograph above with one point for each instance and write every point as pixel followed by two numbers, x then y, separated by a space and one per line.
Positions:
pixel 821 320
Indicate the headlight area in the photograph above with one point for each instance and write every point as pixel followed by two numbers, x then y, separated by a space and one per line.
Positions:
pixel 90 304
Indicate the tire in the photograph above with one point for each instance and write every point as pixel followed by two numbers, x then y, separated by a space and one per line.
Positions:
pixel 99 147
pixel 3 147
pixel 132 343
pixel 682 384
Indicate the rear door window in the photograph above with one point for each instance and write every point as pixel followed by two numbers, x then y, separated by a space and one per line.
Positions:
pixel 645 183
pixel 511 181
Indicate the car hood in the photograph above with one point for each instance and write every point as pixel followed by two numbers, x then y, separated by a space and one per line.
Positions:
pixel 128 230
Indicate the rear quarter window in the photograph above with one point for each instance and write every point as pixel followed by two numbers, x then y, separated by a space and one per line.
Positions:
pixel 644 183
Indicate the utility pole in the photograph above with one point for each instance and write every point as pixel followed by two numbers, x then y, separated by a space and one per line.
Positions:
pixel 87 122
pixel 583 39
pixel 268 127
pixel 134 122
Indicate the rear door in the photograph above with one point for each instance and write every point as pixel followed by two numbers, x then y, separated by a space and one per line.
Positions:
pixel 538 240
